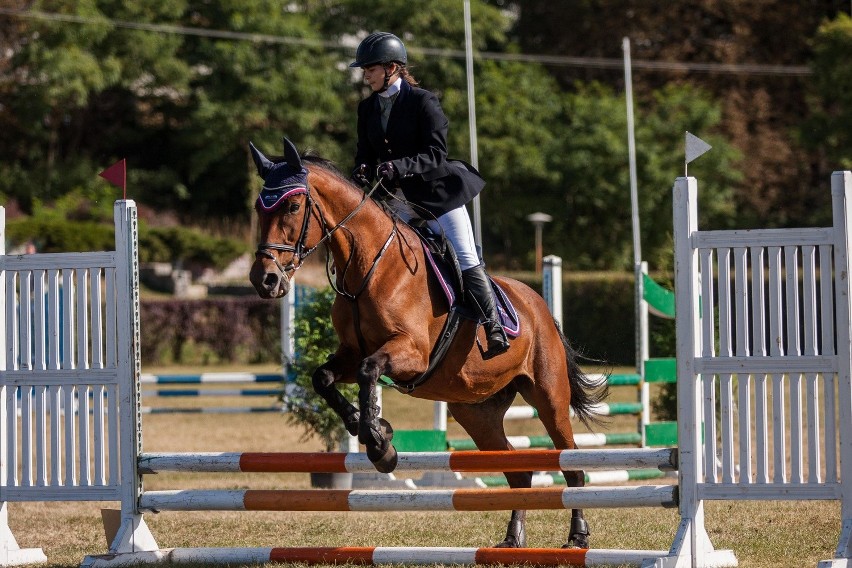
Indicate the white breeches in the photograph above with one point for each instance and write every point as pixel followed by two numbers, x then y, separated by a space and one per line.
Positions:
pixel 455 225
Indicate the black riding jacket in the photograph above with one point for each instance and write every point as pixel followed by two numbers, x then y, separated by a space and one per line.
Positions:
pixel 416 143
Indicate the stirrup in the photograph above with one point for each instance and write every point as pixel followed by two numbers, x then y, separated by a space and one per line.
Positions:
pixel 494 351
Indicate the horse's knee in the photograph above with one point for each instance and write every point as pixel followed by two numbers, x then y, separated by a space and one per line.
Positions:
pixel 322 379
pixel 369 371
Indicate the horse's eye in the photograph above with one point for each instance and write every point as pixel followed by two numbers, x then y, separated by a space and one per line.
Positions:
pixel 294 208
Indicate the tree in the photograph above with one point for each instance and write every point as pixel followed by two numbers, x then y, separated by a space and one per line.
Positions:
pixel 760 112
pixel 829 130
pixel 180 93
pixel 590 198
pixel 181 106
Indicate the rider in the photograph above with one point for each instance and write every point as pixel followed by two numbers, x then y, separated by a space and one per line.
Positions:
pixel 402 139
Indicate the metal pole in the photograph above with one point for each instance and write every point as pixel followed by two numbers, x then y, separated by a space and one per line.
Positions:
pixel 631 150
pixel 538 248
pixel 538 219
pixel 471 111
pixel 634 207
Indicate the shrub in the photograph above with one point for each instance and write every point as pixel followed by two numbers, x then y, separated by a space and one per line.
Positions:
pixel 315 340
pixel 189 247
pixel 58 235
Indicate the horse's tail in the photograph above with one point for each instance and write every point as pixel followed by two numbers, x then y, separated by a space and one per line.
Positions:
pixel 586 393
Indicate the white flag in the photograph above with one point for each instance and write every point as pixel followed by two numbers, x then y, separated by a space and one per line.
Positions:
pixel 695 147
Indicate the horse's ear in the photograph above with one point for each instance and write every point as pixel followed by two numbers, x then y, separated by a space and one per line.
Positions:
pixel 291 155
pixel 260 161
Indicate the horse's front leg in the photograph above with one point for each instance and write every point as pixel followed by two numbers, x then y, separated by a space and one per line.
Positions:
pixel 371 432
pixel 324 379
pixel 374 432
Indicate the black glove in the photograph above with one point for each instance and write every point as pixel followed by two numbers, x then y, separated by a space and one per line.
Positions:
pixel 359 176
pixel 387 171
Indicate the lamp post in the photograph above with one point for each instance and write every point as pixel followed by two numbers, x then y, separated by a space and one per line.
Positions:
pixel 538 219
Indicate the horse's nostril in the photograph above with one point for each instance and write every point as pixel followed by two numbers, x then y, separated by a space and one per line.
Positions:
pixel 270 280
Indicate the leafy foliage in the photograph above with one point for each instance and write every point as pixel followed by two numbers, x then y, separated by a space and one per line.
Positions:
pixel 831 94
pixel 315 341
pixel 74 96
pixel 188 247
pixel 781 182
pixel 53 235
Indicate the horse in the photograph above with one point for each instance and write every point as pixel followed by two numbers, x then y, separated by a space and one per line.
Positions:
pixel 390 311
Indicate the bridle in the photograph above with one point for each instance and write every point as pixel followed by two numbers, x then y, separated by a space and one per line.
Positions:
pixel 301 251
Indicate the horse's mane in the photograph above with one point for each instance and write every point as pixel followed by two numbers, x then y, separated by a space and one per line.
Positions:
pixel 325 164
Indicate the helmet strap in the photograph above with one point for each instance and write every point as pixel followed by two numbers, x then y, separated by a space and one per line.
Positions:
pixel 387 77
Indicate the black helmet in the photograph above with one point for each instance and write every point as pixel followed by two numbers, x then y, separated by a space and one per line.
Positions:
pixel 380 47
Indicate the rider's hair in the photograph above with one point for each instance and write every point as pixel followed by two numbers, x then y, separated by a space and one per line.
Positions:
pixel 404 73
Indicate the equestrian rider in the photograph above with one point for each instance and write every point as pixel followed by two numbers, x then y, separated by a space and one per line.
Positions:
pixel 402 139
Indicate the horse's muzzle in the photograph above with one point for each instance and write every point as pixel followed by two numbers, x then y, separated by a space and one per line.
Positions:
pixel 268 280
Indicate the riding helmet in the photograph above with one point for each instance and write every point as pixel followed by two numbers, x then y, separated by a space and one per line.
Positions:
pixel 380 47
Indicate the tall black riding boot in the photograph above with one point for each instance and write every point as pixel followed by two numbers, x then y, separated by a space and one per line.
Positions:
pixel 480 297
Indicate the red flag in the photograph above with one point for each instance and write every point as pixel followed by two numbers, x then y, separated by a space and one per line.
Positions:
pixel 116 174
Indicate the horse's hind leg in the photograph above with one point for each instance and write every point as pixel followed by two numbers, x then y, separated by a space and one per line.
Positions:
pixel 484 423
pixel 554 413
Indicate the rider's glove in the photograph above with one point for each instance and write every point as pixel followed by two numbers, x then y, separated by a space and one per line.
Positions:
pixel 359 175
pixel 387 172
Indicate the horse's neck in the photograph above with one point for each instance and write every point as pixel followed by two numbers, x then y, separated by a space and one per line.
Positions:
pixel 355 245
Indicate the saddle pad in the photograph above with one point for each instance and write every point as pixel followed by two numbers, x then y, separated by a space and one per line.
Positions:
pixel 508 315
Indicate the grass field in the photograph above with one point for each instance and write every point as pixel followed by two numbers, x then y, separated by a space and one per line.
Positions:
pixel 762 534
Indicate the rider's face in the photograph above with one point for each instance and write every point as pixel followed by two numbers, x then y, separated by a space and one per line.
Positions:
pixel 374 76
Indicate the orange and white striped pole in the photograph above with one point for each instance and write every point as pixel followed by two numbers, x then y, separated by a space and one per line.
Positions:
pixel 390 555
pixel 408 499
pixel 460 461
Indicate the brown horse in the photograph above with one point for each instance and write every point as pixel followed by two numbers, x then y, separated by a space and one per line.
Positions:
pixel 389 313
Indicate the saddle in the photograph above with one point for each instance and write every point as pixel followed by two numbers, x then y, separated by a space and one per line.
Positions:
pixel 444 266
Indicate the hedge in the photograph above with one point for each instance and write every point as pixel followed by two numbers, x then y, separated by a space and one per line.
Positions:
pixel 210 331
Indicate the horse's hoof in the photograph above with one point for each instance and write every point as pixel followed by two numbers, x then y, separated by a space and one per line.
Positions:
pixel 386 462
pixel 580 541
pixel 386 429
pixel 352 423
pixel 516 536
pixel 579 537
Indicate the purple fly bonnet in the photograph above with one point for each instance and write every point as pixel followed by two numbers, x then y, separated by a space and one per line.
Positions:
pixel 281 180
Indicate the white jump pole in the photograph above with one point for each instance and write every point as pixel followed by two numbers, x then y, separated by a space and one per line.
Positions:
pixel 551 284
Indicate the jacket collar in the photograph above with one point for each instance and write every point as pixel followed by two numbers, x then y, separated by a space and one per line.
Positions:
pixel 404 89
